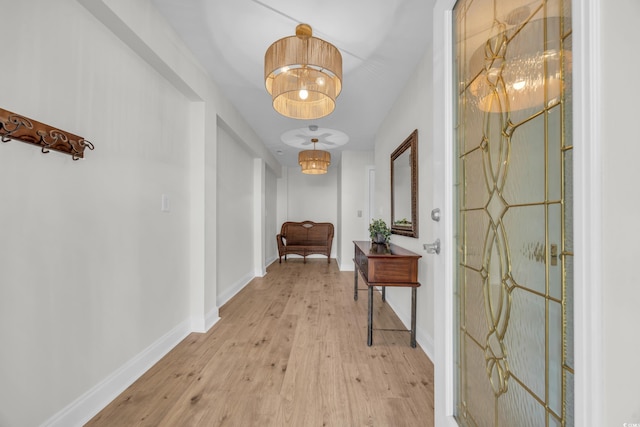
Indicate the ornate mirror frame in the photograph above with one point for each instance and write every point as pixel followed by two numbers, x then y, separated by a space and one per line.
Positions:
pixel 404 172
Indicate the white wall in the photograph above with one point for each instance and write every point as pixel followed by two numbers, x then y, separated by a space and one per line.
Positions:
pixel 91 271
pixel 203 231
pixel 354 197
pixel 338 225
pixel 96 282
pixel 412 110
pixel 620 205
pixel 282 202
pixel 235 195
pixel 272 228
pixel 313 198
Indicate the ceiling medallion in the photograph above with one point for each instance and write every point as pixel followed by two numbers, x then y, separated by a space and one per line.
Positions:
pixel 315 160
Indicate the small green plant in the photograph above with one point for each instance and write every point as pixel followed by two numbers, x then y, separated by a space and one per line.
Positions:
pixel 403 221
pixel 379 232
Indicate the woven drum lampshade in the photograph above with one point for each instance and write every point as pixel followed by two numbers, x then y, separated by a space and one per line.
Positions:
pixel 314 162
pixel 303 75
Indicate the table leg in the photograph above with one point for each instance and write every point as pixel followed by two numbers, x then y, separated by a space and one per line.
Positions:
pixel 370 318
pixel 355 283
pixel 414 292
pixel 384 294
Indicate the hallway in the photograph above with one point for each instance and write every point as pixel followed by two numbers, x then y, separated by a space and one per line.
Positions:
pixel 289 350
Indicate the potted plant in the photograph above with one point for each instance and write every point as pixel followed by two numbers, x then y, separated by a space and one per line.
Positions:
pixel 403 222
pixel 379 232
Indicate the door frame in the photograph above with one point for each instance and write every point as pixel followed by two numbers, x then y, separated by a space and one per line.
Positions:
pixel 588 311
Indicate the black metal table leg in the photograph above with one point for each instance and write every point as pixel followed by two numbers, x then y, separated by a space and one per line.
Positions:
pixel 355 283
pixel 414 292
pixel 384 294
pixel 370 318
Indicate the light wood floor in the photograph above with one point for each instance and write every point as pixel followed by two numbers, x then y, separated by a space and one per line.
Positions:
pixel 289 350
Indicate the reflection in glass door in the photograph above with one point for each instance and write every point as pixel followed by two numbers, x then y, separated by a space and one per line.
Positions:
pixel 514 201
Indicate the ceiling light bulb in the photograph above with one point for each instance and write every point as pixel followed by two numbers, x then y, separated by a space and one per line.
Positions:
pixel 303 94
pixel 320 81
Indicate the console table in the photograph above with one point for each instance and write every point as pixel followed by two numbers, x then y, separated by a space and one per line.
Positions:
pixel 382 265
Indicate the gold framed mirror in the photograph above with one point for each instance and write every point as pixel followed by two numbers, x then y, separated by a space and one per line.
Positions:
pixel 404 187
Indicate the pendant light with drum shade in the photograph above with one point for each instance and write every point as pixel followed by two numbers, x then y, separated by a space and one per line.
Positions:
pixel 314 162
pixel 303 74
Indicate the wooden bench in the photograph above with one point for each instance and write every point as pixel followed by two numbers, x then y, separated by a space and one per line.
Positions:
pixel 305 238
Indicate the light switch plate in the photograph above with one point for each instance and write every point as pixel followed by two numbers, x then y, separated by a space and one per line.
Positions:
pixel 164 204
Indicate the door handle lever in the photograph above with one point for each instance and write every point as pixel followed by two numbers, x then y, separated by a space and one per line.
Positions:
pixel 432 248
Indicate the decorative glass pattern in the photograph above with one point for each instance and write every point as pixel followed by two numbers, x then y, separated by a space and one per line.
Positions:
pixel 514 227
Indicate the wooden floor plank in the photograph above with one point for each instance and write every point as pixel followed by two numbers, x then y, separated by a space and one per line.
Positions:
pixel 289 350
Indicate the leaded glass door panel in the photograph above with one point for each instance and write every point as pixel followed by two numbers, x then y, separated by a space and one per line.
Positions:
pixel 514 223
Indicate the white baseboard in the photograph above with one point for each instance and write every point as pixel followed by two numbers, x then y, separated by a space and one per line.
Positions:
pixel 85 407
pixel 233 290
pixel 211 318
pixel 271 260
pixel 424 340
pixel 347 266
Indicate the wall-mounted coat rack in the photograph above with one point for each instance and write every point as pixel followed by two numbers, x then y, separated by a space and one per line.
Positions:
pixel 15 126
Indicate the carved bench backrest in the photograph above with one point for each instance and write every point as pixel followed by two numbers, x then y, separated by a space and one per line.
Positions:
pixel 307 232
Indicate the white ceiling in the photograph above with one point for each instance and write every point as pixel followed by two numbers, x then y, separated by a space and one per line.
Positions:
pixel 381 42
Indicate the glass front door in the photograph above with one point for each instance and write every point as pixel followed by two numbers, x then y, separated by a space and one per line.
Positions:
pixel 514 235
